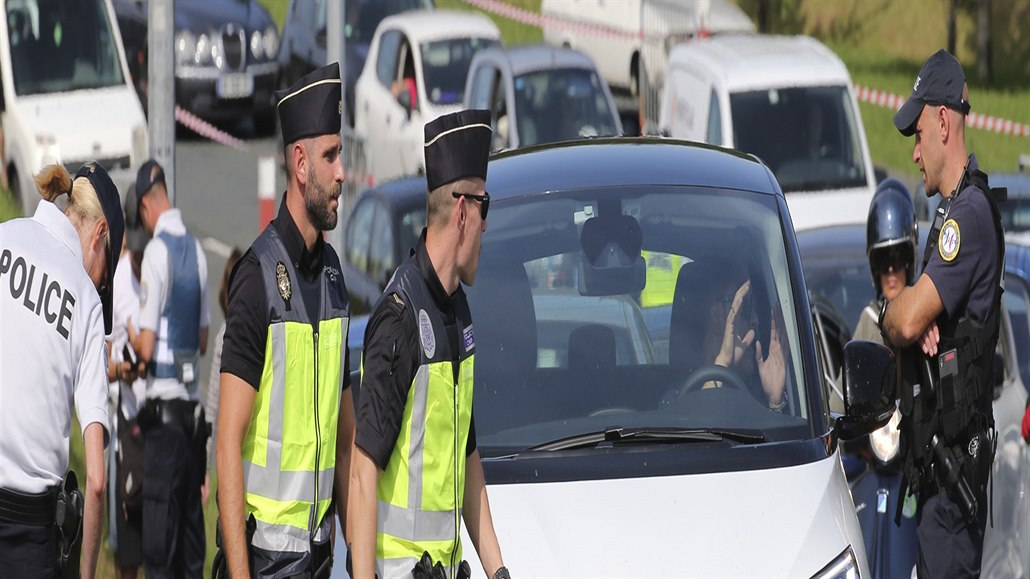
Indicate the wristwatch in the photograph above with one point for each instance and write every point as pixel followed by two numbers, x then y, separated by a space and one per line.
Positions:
pixel 501 573
pixel 883 311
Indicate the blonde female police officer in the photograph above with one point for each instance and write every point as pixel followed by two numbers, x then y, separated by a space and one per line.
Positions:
pixel 56 272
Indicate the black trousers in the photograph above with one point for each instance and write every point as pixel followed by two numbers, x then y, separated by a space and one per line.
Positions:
pixel 173 517
pixel 948 545
pixel 27 551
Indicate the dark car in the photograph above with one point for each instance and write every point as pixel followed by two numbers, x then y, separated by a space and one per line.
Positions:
pixel 225 57
pixel 304 38
pixel 385 223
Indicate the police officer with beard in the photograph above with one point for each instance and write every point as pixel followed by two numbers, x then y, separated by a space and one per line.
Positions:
pixel 951 316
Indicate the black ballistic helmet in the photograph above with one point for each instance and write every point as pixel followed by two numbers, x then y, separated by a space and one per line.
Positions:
pixel 891 225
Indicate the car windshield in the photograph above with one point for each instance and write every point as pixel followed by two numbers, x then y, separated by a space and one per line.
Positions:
pixel 560 105
pixel 364 16
pixel 806 135
pixel 842 279
pixel 60 46
pixel 601 308
pixel 445 64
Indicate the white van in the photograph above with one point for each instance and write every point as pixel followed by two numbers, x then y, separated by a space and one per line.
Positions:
pixel 788 100
pixel 67 95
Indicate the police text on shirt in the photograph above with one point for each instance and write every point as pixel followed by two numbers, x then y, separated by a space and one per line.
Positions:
pixel 47 300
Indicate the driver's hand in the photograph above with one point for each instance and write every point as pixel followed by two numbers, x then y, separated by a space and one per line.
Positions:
pixel 733 347
pixel 773 369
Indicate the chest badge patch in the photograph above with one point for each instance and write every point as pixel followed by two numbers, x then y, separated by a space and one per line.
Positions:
pixel 949 241
pixel 426 334
pixel 282 281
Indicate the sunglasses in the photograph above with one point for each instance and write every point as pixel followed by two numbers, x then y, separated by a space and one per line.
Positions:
pixel 893 258
pixel 484 201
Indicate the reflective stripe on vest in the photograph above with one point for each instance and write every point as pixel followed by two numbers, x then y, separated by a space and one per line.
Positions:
pixel 420 493
pixel 179 328
pixel 289 452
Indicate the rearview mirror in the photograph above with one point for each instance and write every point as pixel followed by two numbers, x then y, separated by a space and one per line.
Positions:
pixel 870 383
pixel 612 262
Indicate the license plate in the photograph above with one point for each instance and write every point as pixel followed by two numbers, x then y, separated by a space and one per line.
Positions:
pixel 234 86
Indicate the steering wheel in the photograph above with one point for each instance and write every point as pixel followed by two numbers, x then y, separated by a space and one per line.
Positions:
pixel 711 372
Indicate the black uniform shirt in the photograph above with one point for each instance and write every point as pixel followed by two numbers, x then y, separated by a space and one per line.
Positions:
pixel 246 321
pixel 391 358
pixel 964 266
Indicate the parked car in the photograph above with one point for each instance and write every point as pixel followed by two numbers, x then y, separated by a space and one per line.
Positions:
pixel 788 100
pixel 225 58
pixel 304 38
pixel 383 226
pixel 67 96
pixel 595 463
pixel 415 72
pixel 540 94
pixel 837 268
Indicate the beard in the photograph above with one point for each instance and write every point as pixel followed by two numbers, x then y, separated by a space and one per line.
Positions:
pixel 316 202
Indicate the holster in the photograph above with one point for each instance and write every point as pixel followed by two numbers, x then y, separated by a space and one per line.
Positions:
pixel 68 527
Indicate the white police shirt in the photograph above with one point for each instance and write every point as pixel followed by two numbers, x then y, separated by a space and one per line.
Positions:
pixel 125 311
pixel 52 349
pixel 154 292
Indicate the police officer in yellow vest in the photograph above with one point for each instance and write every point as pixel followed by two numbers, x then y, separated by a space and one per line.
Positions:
pixel 286 417
pixel 416 469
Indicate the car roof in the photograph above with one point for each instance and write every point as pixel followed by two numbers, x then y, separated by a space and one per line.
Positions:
pixel 621 161
pixel 529 58
pixel 1018 184
pixel 427 25
pixel 759 61
pixel 403 193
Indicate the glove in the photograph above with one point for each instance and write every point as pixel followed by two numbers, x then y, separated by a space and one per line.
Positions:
pixel 425 569
pixel 1026 425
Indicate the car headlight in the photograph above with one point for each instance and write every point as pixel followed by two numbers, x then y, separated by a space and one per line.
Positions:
pixel 185 47
pixel 271 42
pixel 845 566
pixel 205 49
pixel 886 439
pixel 257 46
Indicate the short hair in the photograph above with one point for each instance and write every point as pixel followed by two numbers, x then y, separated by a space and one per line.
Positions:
pixel 437 204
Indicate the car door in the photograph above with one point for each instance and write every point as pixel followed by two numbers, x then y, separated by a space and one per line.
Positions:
pixel 404 122
pixel 363 290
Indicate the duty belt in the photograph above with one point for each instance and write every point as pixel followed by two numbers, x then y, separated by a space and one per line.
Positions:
pixel 29 509
pixel 169 412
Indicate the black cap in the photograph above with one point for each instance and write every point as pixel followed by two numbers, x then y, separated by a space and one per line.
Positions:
pixel 146 178
pixel 136 237
pixel 107 193
pixel 940 82
pixel 457 146
pixel 312 105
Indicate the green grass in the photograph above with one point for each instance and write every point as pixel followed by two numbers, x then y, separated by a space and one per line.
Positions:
pixel 513 33
pixel 277 10
pixel 9 208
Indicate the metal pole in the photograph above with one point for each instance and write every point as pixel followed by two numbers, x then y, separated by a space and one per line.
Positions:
pixel 334 52
pixel 161 88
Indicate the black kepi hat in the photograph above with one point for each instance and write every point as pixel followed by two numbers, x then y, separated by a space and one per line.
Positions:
pixel 940 82
pixel 312 105
pixel 457 146
pixel 110 202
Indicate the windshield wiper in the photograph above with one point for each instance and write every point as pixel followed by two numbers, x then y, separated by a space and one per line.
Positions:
pixel 618 434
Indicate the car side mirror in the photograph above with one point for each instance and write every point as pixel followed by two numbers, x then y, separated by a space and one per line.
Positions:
pixel 870 383
pixel 999 374
pixel 404 99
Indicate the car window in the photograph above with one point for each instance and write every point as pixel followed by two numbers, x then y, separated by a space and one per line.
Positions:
pixel 561 104
pixel 714 133
pixel 570 335
pixel 382 258
pixel 482 84
pixel 445 67
pixel 59 46
pixel 386 61
pixel 410 227
pixel 808 136
pixel 1017 301
pixel 359 233
pixel 364 16
pixel 320 18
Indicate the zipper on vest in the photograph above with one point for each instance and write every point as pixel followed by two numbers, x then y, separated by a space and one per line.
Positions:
pixel 318 447
pixel 457 511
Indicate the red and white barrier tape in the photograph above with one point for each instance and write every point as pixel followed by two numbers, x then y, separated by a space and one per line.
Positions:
pixel 205 129
pixel 527 17
pixel 975 120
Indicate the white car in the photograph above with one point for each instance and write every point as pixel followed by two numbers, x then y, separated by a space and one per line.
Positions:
pixel 415 72
pixel 787 99
pixel 67 94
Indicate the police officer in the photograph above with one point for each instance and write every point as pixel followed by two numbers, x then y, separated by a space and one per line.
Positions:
pixel 56 271
pixel 418 361
pixel 286 417
pixel 173 323
pixel 951 314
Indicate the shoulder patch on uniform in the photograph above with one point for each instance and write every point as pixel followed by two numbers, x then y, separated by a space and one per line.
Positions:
pixel 426 334
pixel 949 241
pixel 282 281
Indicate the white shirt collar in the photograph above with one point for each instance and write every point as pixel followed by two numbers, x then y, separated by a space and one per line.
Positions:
pixel 54 220
pixel 170 221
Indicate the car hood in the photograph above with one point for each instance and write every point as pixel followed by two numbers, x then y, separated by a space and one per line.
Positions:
pixel 105 132
pixel 784 522
pixel 200 17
